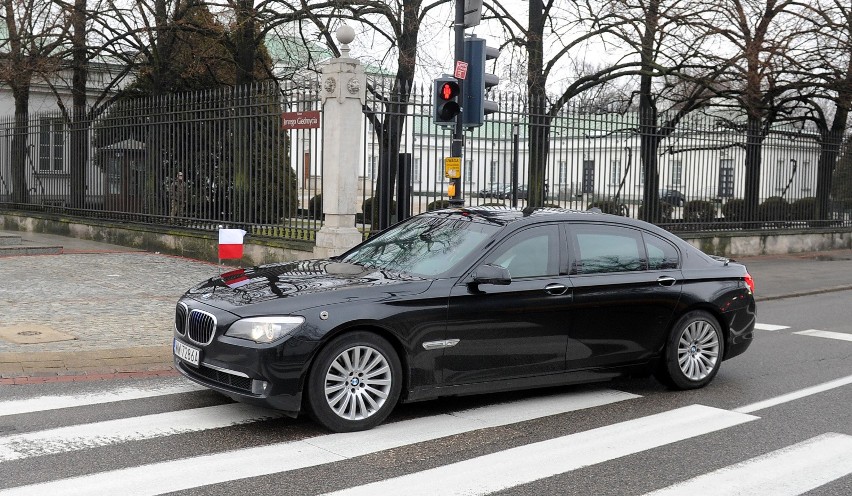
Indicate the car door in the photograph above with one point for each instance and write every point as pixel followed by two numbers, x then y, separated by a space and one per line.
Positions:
pixel 515 330
pixel 624 301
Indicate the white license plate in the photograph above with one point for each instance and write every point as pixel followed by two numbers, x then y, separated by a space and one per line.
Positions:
pixel 187 353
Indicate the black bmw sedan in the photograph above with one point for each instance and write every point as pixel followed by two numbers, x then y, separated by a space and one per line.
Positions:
pixel 465 301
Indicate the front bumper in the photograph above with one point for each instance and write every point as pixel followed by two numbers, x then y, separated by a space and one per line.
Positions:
pixel 265 375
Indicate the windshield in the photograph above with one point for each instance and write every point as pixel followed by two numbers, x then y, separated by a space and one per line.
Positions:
pixel 424 246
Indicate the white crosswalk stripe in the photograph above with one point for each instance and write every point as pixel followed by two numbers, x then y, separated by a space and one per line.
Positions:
pixel 45 403
pixel 786 472
pixel 524 464
pixel 97 434
pixel 789 471
pixel 826 334
pixel 182 474
pixel 770 327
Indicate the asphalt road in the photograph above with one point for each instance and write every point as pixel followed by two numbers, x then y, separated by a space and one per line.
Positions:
pixel 640 438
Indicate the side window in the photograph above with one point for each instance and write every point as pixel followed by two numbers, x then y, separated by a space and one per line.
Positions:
pixel 530 253
pixel 601 249
pixel 661 254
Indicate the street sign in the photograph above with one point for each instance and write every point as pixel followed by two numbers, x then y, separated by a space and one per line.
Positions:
pixel 300 120
pixel 461 69
pixel 452 167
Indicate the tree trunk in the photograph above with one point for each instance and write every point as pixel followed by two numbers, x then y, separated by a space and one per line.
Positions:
pixel 79 124
pixel 539 141
pixel 20 191
pixel 753 152
pixel 649 139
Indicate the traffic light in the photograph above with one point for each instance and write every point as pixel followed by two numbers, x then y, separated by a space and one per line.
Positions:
pixel 445 104
pixel 476 107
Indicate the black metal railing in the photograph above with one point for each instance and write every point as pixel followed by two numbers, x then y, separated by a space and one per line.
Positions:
pixel 222 157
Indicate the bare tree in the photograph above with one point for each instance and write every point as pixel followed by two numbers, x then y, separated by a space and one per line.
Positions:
pixel 763 72
pixel 828 96
pixel 649 39
pixel 399 23
pixel 35 31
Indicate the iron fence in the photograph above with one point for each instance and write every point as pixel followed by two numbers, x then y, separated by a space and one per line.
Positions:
pixel 199 160
pixel 222 157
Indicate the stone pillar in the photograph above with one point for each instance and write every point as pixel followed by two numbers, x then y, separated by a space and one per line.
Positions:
pixel 344 93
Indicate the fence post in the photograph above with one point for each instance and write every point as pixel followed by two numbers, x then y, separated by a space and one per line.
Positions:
pixel 343 95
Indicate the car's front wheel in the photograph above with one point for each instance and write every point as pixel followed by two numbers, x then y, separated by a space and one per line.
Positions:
pixel 354 383
pixel 693 353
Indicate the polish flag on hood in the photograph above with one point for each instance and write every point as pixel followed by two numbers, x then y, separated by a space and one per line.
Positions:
pixel 231 243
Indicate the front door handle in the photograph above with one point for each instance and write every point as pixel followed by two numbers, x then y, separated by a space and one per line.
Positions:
pixel 555 289
pixel 666 281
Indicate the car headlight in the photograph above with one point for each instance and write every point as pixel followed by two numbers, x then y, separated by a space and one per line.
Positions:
pixel 264 329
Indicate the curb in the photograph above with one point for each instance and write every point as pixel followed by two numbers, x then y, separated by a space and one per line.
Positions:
pixel 835 289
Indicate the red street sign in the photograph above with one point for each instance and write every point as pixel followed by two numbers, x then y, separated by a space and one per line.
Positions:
pixel 300 120
pixel 461 69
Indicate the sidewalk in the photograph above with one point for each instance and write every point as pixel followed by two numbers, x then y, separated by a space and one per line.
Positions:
pixel 99 310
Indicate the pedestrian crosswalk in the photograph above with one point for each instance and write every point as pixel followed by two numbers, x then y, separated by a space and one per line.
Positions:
pixel 841 336
pixel 84 425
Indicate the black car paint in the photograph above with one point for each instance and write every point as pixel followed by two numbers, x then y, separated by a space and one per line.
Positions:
pixel 407 310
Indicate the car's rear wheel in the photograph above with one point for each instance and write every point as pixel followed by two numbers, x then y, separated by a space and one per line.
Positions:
pixel 693 353
pixel 354 383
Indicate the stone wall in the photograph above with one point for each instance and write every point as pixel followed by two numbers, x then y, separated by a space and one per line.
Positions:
pixel 203 245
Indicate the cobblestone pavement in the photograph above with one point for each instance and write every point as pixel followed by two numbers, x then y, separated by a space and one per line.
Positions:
pixel 128 296
pixel 117 305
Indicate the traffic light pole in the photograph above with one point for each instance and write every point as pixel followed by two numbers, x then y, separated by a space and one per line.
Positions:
pixel 457 147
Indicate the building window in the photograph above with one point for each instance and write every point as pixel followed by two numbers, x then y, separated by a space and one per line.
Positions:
pixel 51 155
pixel 726 178
pixel 588 176
pixel 563 172
pixel 615 172
pixel 782 175
pixel 372 167
pixel 415 171
pixel 805 176
pixel 494 173
pixel 468 171
pixel 677 172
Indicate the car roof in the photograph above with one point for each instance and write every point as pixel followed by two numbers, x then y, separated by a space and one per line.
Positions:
pixel 505 216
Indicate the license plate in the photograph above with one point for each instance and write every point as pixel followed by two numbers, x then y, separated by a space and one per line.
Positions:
pixel 187 353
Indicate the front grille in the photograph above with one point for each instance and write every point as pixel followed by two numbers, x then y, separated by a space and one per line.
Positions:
pixel 223 378
pixel 180 318
pixel 202 326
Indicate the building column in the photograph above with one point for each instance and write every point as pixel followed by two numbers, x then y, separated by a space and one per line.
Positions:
pixel 344 94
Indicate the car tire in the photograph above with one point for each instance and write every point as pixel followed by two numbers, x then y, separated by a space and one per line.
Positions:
pixel 693 352
pixel 354 383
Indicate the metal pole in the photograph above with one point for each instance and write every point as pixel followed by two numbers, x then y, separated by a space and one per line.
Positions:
pixel 515 132
pixel 457 148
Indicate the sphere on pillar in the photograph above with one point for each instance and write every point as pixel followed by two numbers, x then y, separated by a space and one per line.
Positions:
pixel 345 35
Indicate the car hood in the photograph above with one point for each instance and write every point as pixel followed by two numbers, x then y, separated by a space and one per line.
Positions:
pixel 303 284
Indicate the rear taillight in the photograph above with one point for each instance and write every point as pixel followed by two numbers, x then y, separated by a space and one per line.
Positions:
pixel 749 282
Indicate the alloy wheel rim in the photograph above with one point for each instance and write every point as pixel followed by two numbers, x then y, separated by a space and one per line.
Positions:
pixel 358 383
pixel 698 350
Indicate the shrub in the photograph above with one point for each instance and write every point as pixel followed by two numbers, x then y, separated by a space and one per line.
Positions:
pixel 734 210
pixel 773 208
pixel 699 211
pixel 610 207
pixel 315 206
pixel 663 215
pixel 438 205
pixel 804 209
pixel 367 209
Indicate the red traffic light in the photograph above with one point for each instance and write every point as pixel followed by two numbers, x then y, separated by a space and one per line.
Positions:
pixel 449 90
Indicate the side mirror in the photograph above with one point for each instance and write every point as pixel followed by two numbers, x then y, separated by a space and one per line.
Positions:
pixel 492 274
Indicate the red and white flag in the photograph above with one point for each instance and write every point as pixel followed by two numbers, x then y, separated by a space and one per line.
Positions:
pixel 231 243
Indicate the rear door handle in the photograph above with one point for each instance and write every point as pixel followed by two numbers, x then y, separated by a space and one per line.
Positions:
pixel 666 281
pixel 555 289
